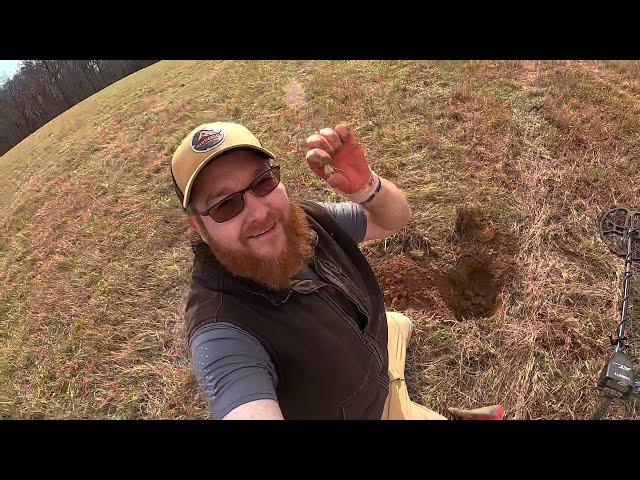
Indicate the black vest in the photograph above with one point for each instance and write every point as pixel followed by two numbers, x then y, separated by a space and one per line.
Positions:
pixel 328 341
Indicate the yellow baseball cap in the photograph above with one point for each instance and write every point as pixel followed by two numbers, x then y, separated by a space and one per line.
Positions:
pixel 203 144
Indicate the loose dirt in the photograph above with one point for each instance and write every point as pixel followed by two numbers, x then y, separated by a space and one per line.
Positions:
pixel 467 287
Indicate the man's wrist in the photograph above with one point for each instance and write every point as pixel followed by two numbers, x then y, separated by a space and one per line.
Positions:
pixel 368 191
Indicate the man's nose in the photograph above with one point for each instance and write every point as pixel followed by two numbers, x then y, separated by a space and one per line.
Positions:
pixel 255 206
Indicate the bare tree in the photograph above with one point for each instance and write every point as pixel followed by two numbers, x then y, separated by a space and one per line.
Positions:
pixel 42 89
pixel 53 72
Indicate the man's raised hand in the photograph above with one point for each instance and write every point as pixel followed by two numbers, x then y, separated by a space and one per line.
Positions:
pixel 336 156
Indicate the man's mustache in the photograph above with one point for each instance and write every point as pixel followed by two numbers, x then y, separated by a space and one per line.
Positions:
pixel 254 229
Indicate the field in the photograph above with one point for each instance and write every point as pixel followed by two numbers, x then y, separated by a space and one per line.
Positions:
pixel 506 166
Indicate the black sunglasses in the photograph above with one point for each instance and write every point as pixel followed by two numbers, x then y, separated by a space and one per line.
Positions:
pixel 232 205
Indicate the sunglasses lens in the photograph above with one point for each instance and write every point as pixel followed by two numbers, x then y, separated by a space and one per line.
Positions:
pixel 266 183
pixel 228 209
pixel 233 205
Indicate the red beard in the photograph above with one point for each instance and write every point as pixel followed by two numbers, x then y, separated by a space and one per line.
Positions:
pixel 276 272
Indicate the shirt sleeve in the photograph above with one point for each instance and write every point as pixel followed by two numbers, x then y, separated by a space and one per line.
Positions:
pixel 232 368
pixel 351 217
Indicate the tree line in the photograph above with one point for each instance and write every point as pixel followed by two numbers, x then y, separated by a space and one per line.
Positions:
pixel 42 89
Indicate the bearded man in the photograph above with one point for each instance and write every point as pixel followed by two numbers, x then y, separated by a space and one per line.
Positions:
pixel 285 318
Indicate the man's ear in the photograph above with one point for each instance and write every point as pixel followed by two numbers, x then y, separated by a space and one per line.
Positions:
pixel 194 224
pixel 197 227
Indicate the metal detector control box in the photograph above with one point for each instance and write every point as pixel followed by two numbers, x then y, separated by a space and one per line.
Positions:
pixel 618 374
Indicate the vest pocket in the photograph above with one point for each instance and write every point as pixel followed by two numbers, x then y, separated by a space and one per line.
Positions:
pixel 364 403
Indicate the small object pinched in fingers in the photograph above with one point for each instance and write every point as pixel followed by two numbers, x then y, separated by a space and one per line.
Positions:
pixel 328 169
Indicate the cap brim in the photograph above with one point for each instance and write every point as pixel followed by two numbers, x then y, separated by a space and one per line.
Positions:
pixel 213 156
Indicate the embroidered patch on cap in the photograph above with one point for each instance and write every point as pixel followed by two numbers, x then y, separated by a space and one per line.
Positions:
pixel 205 140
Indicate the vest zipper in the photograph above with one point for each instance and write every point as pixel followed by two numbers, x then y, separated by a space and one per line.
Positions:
pixel 369 342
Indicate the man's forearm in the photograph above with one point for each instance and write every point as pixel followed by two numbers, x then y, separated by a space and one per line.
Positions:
pixel 389 208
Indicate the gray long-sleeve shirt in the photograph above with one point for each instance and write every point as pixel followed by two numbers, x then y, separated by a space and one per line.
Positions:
pixel 232 367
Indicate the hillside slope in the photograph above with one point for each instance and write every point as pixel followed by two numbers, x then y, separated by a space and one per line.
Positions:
pixel 95 256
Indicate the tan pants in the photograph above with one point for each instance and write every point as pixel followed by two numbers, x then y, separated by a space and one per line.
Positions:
pixel 398 405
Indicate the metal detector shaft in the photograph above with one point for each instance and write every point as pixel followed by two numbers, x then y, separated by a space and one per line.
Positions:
pixel 624 316
pixel 620 228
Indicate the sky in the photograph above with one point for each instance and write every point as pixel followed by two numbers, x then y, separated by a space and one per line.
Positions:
pixel 8 68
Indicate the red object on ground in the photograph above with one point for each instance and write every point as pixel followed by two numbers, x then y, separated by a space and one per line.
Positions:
pixel 492 412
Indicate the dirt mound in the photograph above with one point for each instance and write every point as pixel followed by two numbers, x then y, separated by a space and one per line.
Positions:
pixel 464 284
pixel 409 283
pixel 470 289
pixel 468 228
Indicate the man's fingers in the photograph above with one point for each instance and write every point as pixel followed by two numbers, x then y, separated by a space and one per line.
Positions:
pixel 345 132
pixel 318 141
pixel 332 137
pixel 317 157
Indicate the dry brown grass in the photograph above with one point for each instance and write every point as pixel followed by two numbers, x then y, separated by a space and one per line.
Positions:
pixel 95 256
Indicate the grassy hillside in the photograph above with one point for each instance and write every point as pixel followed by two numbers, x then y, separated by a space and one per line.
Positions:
pixel 95 257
